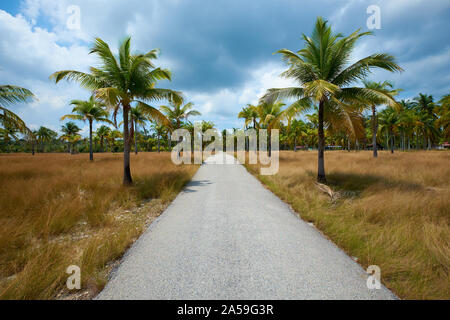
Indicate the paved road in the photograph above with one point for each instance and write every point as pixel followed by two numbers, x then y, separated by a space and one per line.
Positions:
pixel 227 237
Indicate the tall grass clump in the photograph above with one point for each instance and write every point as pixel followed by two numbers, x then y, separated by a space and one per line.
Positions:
pixel 58 210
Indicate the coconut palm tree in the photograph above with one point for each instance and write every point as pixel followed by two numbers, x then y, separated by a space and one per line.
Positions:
pixel 10 95
pixel 137 117
pixel 44 135
pixel 324 75
pixel 90 110
pixel 70 134
pixel 159 130
pixel 389 121
pixel 121 81
pixel 177 113
pixel 386 87
pixel 443 112
pixel 425 104
pixel 271 114
pixel 249 114
pixel 102 133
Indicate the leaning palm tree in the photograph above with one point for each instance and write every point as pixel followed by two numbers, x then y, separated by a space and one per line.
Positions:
pixel 121 81
pixel 387 87
pixel 10 95
pixel 324 75
pixel 90 110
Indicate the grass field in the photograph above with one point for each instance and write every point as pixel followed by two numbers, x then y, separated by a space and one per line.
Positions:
pixel 58 210
pixel 393 212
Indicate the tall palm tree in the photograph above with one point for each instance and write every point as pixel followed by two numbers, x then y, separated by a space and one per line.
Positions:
pixel 102 133
pixel 386 87
pixel 121 81
pixel 10 95
pixel 70 134
pixel 324 76
pixel 90 110
pixel 44 135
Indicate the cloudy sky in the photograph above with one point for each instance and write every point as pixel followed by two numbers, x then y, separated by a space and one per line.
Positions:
pixel 219 52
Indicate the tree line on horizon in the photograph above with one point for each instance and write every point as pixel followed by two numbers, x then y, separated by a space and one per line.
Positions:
pixel 327 85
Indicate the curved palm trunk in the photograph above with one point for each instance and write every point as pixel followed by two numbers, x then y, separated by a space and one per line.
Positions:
pixel 374 132
pixel 321 157
pixel 91 152
pixel 127 180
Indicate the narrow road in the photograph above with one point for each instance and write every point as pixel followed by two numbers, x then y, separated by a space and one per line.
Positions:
pixel 227 237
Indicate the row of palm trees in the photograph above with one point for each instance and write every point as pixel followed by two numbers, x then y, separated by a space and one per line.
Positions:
pixel 406 128
pixel 124 83
pixel 328 81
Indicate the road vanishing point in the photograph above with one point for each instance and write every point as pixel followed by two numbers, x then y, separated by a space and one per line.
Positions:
pixel 225 237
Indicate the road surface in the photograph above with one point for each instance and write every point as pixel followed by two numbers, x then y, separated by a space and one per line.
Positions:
pixel 227 237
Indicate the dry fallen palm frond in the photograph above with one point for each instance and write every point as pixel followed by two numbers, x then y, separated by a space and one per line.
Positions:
pixel 326 189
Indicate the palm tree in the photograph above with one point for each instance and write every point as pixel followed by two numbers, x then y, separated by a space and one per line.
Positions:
pixel 425 104
pixel 102 133
pixel 386 87
pixel 389 121
pixel 70 134
pixel 443 112
pixel 10 95
pixel 249 114
pixel 297 130
pixel 324 76
pixel 45 135
pixel 177 113
pixel 136 118
pixel 160 130
pixel 90 110
pixel 121 81
pixel 271 114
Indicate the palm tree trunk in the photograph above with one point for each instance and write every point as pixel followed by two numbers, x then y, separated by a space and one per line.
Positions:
pixel 32 148
pixel 321 157
pixel 158 142
pixel 374 131
pixel 91 152
pixel 295 144
pixel 101 144
pixel 127 180
pixel 348 143
pixel 135 140
pixel 392 143
pixel 429 143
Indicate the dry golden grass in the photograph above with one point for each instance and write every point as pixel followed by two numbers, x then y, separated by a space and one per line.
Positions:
pixel 58 210
pixel 393 211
